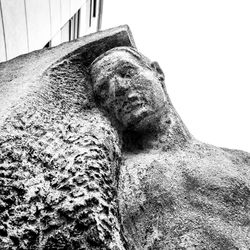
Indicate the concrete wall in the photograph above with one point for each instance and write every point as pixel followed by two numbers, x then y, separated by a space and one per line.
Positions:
pixel 38 22
pixel 15 27
pixel 27 25
pixel 2 40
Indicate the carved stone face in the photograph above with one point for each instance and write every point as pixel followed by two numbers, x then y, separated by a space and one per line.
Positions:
pixel 129 86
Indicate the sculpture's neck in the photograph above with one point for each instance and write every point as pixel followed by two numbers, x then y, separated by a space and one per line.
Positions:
pixel 169 133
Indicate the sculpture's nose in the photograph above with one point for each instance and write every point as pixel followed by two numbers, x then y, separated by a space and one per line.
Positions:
pixel 121 87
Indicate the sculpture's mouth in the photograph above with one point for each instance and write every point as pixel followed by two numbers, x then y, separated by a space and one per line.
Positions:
pixel 133 102
pixel 134 110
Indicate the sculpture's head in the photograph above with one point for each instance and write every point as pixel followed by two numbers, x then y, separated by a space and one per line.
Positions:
pixel 129 86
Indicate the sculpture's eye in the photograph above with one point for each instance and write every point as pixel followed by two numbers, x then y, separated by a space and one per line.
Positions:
pixel 103 89
pixel 127 72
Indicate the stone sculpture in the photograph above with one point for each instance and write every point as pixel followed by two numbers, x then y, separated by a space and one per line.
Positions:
pixel 59 155
pixel 174 191
pixel 93 155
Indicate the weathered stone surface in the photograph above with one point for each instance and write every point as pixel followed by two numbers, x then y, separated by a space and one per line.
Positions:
pixel 174 191
pixel 93 155
pixel 196 197
pixel 59 156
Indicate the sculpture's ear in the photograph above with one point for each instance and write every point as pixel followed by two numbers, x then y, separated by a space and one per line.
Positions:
pixel 157 68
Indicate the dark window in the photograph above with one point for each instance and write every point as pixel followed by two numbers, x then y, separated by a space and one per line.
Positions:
pixel 90 14
pixel 94 9
pixel 74 26
pixel 78 23
pixel 48 45
pixel 71 29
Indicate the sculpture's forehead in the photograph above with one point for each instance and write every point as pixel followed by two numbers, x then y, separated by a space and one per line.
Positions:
pixel 109 64
pixel 118 57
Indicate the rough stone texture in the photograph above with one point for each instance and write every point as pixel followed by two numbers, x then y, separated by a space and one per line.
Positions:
pixel 113 166
pixel 196 197
pixel 174 191
pixel 59 157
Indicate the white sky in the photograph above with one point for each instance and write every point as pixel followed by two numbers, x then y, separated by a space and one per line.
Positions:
pixel 204 49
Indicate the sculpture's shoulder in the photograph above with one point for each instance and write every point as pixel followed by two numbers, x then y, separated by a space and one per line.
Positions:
pixel 196 196
pixel 216 155
pixel 238 156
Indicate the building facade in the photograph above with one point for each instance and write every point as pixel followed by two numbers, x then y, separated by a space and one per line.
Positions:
pixel 27 25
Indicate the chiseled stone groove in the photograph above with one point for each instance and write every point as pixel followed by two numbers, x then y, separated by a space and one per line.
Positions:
pixel 57 171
